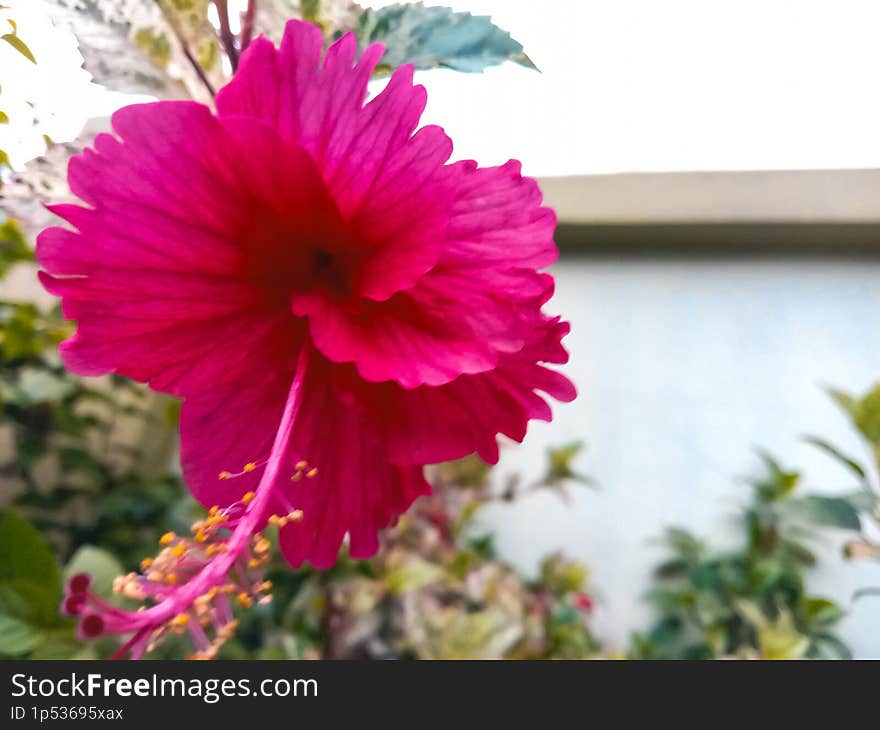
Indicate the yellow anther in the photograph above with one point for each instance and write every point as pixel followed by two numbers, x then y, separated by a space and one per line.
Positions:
pixel 253 563
pixel 277 521
pixel 198 525
pixel 250 466
pixel 171 579
pixel 297 475
pixel 178 550
pixel 248 496
pixel 224 475
pixel 261 546
pixel 214 510
pixel 312 473
pixel 167 539
pixel 295 516
pixel 244 600
pixel 201 536
pixel 301 465
pixel 180 620
pixel 146 563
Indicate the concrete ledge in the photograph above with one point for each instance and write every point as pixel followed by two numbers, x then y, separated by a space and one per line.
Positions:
pixel 801 196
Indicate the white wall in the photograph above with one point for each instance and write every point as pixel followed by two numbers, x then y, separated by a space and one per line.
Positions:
pixel 683 368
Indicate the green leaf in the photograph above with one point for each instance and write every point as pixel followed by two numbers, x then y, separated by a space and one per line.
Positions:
pixel 838 455
pixel 101 565
pixel 684 544
pixel 821 611
pixel 129 45
pixel 828 646
pixel 27 568
pixel 438 37
pixel 865 412
pixel 17 43
pixel 778 483
pixel 559 465
pixel 825 511
pixel 16 637
pixel 13 246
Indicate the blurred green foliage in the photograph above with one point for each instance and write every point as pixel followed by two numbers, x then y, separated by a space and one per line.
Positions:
pixel 436 590
pixel 752 602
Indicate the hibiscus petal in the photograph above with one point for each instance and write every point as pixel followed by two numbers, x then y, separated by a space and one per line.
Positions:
pixel 497 219
pixel 472 409
pixel 356 492
pixel 409 342
pixel 368 154
pixel 157 271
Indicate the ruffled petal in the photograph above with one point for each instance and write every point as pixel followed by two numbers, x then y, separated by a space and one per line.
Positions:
pixel 497 218
pixel 369 158
pixel 403 340
pixel 428 425
pixel 357 490
pixel 171 272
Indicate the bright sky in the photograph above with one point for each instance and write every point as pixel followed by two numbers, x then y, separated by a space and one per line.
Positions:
pixel 627 85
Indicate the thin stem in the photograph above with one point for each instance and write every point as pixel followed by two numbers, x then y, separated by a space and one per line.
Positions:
pixel 247 24
pixel 226 36
pixel 200 72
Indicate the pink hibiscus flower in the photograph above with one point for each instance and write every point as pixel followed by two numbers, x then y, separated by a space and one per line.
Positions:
pixel 305 259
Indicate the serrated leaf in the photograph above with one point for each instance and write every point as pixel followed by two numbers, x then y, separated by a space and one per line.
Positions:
pixel 431 37
pixel 106 31
pixel 43 181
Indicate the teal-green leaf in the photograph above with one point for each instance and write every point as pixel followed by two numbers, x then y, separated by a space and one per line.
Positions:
pixel 825 511
pixel 438 37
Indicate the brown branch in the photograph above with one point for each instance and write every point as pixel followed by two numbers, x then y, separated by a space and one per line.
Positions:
pixel 226 36
pixel 247 24
pixel 197 67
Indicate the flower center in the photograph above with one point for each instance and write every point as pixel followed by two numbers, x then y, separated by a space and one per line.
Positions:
pixel 284 257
